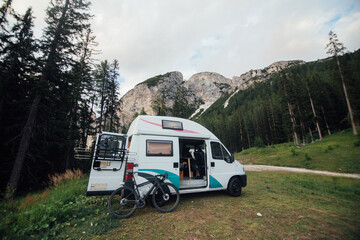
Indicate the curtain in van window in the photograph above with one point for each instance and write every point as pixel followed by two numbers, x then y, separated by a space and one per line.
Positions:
pixel 159 148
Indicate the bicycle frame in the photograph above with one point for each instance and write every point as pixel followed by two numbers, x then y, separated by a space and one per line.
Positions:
pixel 155 181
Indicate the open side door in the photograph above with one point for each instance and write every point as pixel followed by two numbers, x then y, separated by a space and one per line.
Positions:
pixel 108 164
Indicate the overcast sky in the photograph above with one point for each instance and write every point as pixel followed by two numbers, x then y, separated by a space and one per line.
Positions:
pixel 230 37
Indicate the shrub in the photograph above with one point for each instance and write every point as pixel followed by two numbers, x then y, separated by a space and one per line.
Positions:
pixel 357 143
pixel 59 178
pixel 293 152
pixel 56 212
pixel 258 142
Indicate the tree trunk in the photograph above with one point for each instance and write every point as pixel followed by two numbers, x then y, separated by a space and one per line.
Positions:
pixel 314 112
pixel 347 98
pixel 273 121
pixel 102 105
pixel 30 123
pixel 292 118
pixel 325 119
pixel 111 129
pixel 88 129
pixel 23 147
pixel 311 135
pixel 241 134
pixel 1 108
pixel 270 125
pixel 70 140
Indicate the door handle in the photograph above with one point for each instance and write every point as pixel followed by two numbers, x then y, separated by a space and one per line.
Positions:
pixel 176 165
pixel 212 164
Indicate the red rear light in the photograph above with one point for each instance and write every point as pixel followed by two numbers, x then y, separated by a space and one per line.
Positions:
pixel 129 171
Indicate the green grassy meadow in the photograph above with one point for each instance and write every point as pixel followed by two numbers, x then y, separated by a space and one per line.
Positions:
pixel 61 212
pixel 339 152
pixel 292 206
pixel 274 205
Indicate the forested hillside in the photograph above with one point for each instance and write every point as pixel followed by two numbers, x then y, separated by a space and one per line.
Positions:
pixel 297 104
pixel 54 95
pixel 50 89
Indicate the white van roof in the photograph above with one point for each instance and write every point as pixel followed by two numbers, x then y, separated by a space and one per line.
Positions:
pixel 168 126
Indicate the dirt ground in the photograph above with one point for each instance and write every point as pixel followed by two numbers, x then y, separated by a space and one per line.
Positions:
pixel 259 168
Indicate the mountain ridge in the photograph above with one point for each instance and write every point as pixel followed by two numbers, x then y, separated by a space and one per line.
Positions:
pixel 199 92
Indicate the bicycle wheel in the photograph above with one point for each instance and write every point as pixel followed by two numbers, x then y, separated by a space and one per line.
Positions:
pixel 122 202
pixel 166 197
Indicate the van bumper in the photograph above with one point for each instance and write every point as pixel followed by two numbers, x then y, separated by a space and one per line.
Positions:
pixel 98 193
pixel 243 180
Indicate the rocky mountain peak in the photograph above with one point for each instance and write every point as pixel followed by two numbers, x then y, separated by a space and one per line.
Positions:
pixel 142 95
pixel 249 78
pixel 202 89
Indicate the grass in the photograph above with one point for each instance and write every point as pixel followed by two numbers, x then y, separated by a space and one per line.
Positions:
pixel 60 212
pixel 274 205
pixel 292 206
pixel 338 153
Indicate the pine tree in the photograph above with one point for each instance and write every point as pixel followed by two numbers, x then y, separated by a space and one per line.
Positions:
pixel 113 106
pixel 335 49
pixel 81 82
pixel 291 112
pixel 20 68
pixel 314 112
pixel 4 41
pixel 65 20
pixel 108 95
pixel 181 105
pixel 159 105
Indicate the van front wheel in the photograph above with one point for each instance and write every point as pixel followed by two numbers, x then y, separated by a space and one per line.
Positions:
pixel 234 187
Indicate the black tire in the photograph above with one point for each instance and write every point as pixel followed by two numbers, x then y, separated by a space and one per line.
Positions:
pixel 122 202
pixel 234 187
pixel 166 197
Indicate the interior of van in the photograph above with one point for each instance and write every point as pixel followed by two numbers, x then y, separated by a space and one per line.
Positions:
pixel 192 163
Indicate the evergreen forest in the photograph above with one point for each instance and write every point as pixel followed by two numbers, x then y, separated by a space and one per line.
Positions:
pixel 300 104
pixel 54 94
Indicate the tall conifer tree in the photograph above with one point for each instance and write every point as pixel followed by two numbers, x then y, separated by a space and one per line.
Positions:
pixel 65 19
pixel 336 48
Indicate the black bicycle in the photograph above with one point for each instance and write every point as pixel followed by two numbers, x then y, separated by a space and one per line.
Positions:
pixel 124 200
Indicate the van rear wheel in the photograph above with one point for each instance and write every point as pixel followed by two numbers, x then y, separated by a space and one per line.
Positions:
pixel 234 187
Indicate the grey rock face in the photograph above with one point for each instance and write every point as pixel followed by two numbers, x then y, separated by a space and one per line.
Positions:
pixel 205 86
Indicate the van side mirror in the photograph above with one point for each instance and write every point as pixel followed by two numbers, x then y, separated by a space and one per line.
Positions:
pixel 232 158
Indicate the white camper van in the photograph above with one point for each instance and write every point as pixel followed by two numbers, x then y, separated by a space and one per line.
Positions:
pixel 192 156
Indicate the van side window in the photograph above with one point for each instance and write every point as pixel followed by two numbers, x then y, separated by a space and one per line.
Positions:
pixel 216 151
pixel 159 148
pixel 219 152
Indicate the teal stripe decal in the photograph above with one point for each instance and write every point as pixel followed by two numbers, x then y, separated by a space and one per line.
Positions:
pixel 214 183
pixel 173 178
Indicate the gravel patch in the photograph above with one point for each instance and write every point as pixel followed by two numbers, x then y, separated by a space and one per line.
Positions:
pixel 258 168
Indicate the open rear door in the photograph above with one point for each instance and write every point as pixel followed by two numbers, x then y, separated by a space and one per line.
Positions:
pixel 108 164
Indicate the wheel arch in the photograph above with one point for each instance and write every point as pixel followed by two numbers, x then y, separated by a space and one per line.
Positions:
pixel 242 178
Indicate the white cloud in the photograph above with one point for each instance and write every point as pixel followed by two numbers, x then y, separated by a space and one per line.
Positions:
pixel 229 37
